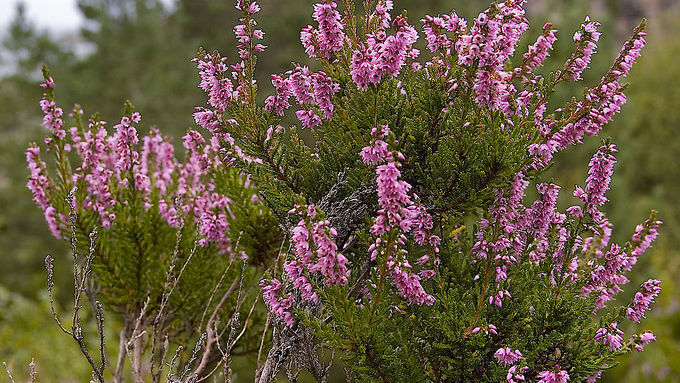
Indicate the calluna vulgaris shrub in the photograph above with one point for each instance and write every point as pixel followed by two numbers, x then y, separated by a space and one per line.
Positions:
pixel 396 234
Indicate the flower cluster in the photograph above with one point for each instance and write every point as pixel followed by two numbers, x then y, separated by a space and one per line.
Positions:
pixel 643 299
pixel 516 374
pixel 553 376
pixel 644 235
pixel 329 37
pixel 215 72
pixel 435 28
pixel 586 41
pixel 219 88
pixel 488 44
pixel 605 100
pixel 601 103
pixel 279 306
pixel 381 54
pixel 507 356
pixel 309 89
pixel 541 231
pixel 399 215
pixel 39 185
pixel 315 249
pixel 640 341
pixel 539 51
pixel 112 166
pixel 610 335
pixel 513 229
pixel 314 252
pixel 606 278
pixel 597 183
pixel 52 119
pixel 246 34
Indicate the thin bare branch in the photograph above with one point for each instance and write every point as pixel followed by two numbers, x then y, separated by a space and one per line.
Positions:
pixel 11 379
pixel 194 355
pixel 49 267
pixel 135 340
pixel 31 370
pixel 171 365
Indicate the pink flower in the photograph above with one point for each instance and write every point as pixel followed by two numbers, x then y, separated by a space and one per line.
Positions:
pixel 435 29
pixel 279 306
pixel 610 335
pixel 599 178
pixel 507 356
pixel 586 39
pixel 315 251
pixel 398 211
pixel 279 102
pixel 330 35
pixel 643 299
pixel 214 81
pixel 594 377
pixel 540 50
pixel 515 374
pixel 309 89
pixel 52 118
pixel 642 340
pixel 308 118
pixel 383 55
pixel 553 376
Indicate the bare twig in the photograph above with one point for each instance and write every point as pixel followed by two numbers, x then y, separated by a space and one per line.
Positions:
pixel 211 334
pixel 11 379
pixel 135 340
pixel 49 267
pixel 100 330
pixel 194 355
pixel 264 335
pixel 168 288
pixel 81 273
pixel 31 370
pixel 219 283
pixel 122 352
pixel 171 365
pixel 210 329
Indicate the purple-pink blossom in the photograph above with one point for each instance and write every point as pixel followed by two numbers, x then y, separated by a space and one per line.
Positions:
pixel 279 306
pixel 383 54
pixel 611 336
pixel 399 213
pixel 310 89
pixel 507 356
pixel 315 248
pixel 598 181
pixel 330 35
pixel 649 290
pixel 553 376
pixel 643 339
pixel 515 374
pixel 540 50
pixel 586 41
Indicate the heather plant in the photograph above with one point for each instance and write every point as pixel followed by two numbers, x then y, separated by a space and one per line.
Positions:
pixel 154 226
pixel 408 246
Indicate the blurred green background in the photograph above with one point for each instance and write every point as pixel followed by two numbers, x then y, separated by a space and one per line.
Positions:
pixel 141 49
